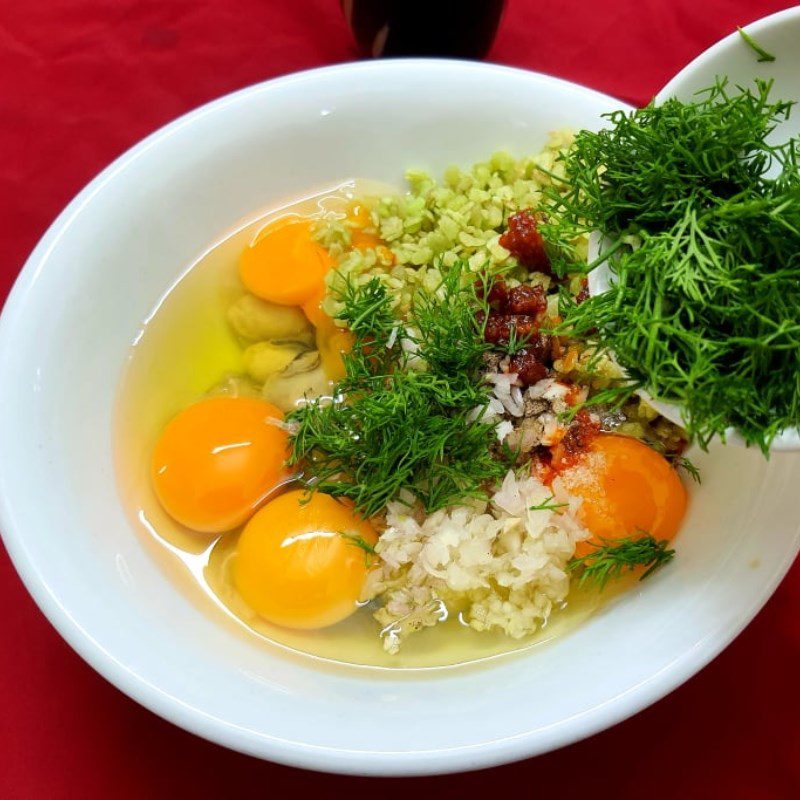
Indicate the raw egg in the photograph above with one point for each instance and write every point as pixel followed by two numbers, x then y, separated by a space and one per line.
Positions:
pixel 312 308
pixel 626 489
pixel 285 265
pixel 360 218
pixel 358 215
pixel 218 460
pixel 302 559
pixel 362 240
pixel 332 346
pixel 332 343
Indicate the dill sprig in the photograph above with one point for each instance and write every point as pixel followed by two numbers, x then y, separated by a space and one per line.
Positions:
pixel 548 504
pixel 401 419
pixel 510 456
pixel 613 397
pixel 703 213
pixel 763 55
pixel 362 544
pixel 358 541
pixel 447 327
pixel 611 559
pixel 681 462
pixel 368 314
pixel 516 342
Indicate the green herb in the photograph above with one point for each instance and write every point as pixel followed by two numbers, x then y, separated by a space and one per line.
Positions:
pixel 402 421
pixel 613 397
pixel 368 314
pixel 762 54
pixel 704 218
pixel 361 544
pixel 358 541
pixel 509 455
pixel 687 466
pixel 610 560
pixel 448 335
pixel 548 505
pixel 516 342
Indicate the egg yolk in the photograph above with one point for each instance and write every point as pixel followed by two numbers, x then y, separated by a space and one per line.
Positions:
pixel 332 346
pixel 312 308
pixel 626 488
pixel 285 265
pixel 298 561
pixel 361 240
pixel 358 215
pixel 332 343
pixel 218 460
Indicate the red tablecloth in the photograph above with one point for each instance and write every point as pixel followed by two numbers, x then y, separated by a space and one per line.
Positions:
pixel 82 80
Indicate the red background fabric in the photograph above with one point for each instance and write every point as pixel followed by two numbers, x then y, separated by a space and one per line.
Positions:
pixel 81 81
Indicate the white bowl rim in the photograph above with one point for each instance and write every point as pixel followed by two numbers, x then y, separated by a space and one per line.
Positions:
pixel 293 753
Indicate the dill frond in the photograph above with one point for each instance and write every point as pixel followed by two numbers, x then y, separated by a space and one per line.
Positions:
pixel 681 462
pixel 391 429
pixel 549 504
pixel 763 55
pixel 611 559
pixel 703 311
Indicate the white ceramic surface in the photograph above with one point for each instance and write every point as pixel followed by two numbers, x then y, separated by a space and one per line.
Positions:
pixel 779 35
pixel 65 331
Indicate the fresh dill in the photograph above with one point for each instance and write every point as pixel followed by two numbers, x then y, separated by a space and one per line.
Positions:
pixel 368 314
pixel 401 420
pixel 548 505
pixel 509 455
pixel 613 397
pixel 358 541
pixel 681 462
pixel 703 213
pixel 362 544
pixel 763 55
pixel 447 323
pixel 611 559
pixel 516 342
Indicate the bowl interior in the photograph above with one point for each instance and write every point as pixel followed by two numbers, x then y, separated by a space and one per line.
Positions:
pixel 64 337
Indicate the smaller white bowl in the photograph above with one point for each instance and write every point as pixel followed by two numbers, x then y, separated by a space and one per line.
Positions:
pixel 778 34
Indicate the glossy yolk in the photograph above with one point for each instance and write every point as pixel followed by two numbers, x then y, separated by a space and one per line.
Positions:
pixel 285 265
pixel 358 215
pixel 332 343
pixel 296 561
pixel 359 218
pixel 331 352
pixel 362 240
pixel 218 460
pixel 626 489
pixel 312 308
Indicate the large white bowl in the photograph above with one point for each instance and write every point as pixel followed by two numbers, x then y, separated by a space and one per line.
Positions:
pixel 64 335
